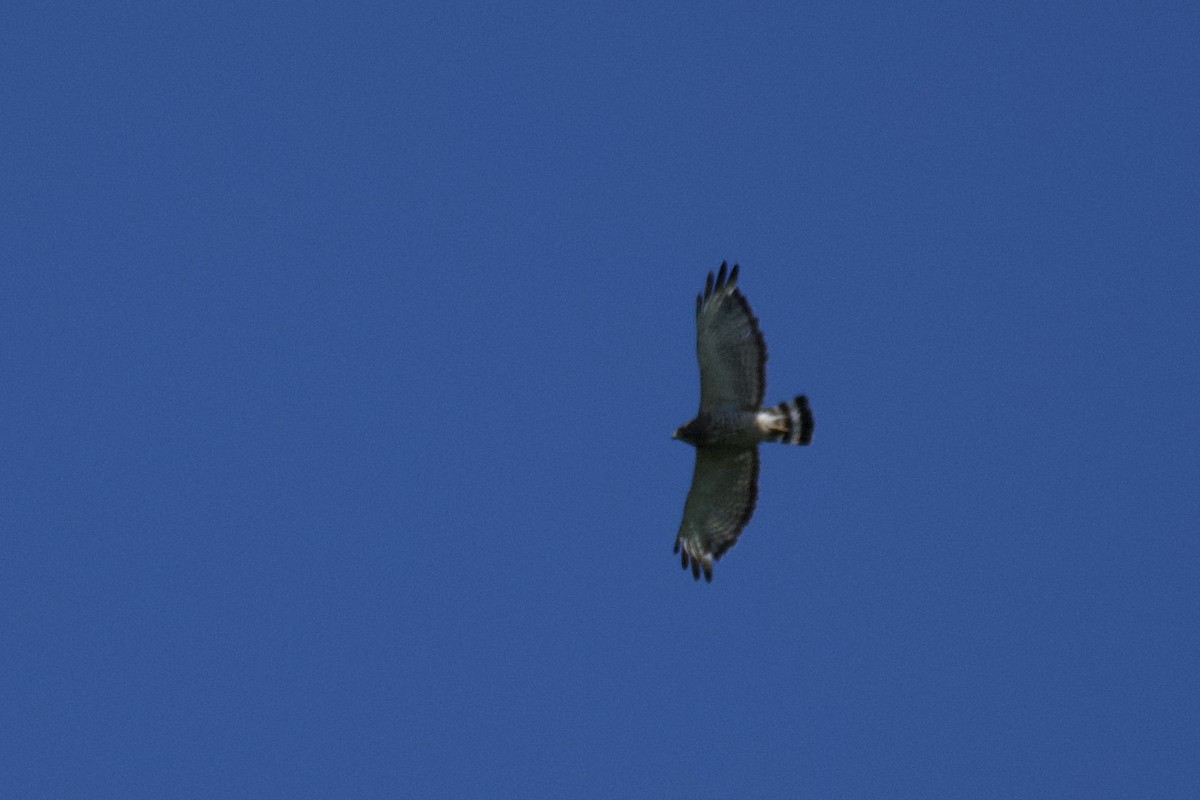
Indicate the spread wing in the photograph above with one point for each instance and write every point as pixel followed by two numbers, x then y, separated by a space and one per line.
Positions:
pixel 719 504
pixel 729 346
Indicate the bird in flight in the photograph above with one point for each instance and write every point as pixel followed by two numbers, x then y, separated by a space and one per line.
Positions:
pixel 730 424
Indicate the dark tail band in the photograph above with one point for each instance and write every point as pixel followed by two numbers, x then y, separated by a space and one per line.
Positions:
pixel 797 419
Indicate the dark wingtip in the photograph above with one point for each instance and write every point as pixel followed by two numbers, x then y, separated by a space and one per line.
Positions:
pixel 806 419
pixel 733 273
pixel 707 574
pixel 695 570
pixel 721 275
pixel 708 286
pixel 676 550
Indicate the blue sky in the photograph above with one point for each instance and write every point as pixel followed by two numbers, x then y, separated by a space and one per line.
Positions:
pixel 342 345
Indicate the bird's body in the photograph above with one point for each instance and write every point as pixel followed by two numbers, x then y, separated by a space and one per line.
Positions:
pixel 722 427
pixel 730 424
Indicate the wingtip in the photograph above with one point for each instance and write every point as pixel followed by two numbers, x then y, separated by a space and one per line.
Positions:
pixel 724 278
pixel 701 564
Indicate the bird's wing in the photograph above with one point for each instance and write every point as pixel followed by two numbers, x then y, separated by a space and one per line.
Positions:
pixel 719 504
pixel 729 346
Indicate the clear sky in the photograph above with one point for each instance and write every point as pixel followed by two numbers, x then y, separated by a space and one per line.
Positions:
pixel 342 344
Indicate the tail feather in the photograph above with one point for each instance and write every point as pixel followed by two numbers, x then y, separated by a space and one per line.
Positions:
pixel 794 421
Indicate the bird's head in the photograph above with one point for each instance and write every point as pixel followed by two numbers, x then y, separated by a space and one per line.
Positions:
pixel 690 433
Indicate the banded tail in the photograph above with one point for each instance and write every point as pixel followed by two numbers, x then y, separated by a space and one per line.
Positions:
pixel 790 422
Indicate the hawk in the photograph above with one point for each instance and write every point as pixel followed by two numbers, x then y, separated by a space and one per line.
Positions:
pixel 729 424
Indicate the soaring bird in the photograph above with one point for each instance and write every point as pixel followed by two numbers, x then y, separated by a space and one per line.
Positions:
pixel 730 424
